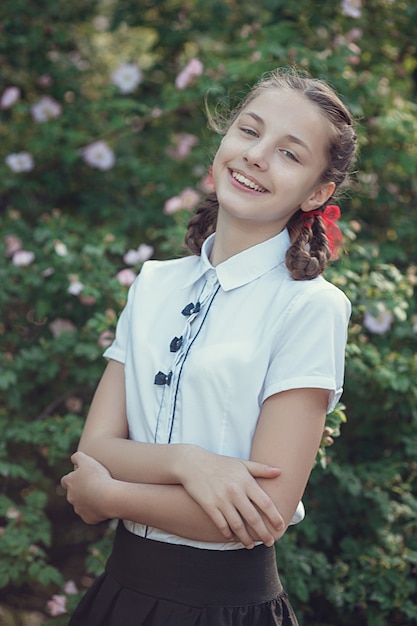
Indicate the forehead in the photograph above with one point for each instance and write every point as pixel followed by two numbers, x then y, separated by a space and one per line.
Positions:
pixel 285 110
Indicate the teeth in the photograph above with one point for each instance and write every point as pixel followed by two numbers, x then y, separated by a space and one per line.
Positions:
pixel 247 182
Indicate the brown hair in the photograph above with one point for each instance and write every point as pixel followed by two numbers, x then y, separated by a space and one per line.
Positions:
pixel 309 253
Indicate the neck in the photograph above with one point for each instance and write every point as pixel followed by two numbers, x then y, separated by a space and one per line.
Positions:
pixel 233 238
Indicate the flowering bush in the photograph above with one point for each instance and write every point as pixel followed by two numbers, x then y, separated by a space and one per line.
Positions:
pixel 104 153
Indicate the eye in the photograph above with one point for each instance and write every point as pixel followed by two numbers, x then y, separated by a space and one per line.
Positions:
pixel 289 155
pixel 249 131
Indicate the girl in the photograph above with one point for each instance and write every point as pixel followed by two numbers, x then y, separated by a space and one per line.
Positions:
pixel 205 425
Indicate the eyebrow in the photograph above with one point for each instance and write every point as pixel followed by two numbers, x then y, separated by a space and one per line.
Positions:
pixel 291 138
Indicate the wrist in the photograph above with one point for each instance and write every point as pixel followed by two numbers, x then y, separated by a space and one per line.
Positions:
pixel 113 497
pixel 183 456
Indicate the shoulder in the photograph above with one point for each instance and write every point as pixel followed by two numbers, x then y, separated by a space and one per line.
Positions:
pixel 183 264
pixel 317 296
pixel 321 288
pixel 170 270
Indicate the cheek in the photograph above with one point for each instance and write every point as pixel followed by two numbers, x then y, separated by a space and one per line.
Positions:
pixel 216 165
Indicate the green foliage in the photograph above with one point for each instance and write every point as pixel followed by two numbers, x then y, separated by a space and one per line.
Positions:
pixel 354 559
pixel 24 540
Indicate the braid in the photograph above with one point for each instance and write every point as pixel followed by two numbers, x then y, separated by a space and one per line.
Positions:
pixel 309 253
pixel 202 224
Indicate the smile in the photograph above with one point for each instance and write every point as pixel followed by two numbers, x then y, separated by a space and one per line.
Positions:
pixel 247 182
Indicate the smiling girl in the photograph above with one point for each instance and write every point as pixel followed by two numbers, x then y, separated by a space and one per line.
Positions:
pixel 205 425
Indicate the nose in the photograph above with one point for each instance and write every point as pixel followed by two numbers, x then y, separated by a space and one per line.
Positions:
pixel 255 155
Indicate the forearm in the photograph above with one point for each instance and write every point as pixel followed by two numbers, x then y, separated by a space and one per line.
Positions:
pixel 168 507
pixel 163 506
pixel 105 436
pixel 219 500
pixel 134 461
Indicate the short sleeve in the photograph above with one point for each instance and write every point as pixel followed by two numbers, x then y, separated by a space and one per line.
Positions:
pixel 117 350
pixel 310 347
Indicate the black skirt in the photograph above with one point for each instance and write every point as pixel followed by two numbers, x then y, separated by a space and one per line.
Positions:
pixel 152 583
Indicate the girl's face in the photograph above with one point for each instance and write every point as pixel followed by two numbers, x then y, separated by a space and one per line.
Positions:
pixel 269 163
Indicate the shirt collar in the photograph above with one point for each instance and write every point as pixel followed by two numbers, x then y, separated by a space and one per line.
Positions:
pixel 244 267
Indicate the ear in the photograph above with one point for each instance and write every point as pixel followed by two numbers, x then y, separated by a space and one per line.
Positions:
pixel 318 197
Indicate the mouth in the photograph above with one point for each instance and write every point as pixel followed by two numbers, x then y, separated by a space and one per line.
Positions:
pixel 247 182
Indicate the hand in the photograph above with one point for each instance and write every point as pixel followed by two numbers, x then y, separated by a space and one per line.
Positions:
pixel 226 489
pixel 86 486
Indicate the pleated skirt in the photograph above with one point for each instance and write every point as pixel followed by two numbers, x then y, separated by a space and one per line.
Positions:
pixel 151 583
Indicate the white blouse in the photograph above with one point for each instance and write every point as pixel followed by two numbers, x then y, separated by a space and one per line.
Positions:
pixel 203 347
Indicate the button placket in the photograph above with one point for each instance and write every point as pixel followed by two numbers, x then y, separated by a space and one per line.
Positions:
pixel 179 347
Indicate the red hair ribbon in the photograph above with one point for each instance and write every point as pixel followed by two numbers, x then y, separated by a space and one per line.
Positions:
pixel 330 215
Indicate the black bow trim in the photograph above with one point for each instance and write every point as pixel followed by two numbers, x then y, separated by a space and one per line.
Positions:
pixel 191 308
pixel 163 379
pixel 175 344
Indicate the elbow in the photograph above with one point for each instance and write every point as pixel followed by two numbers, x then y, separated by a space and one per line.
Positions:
pixel 93 447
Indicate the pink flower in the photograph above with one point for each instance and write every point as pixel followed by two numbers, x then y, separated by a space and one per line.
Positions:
pixel 354 34
pixel 353 47
pixel 127 77
pixel 105 339
pixel 190 198
pixel 187 199
pixel 99 155
pixel 184 143
pixel 126 277
pixel 20 162
pixel 352 8
pixel 57 605
pixel 22 258
pixel 378 325
pixel 60 248
pixel 13 244
pixel 172 205
pixel 156 112
pixel 46 109
pixel 87 300
pixel 70 588
pixel 75 287
pixel 13 513
pixel 142 254
pixel 74 405
pixel 193 69
pixel 9 97
pixel 60 325
pixel 45 80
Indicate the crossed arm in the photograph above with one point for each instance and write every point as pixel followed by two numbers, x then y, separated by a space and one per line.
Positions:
pixel 186 490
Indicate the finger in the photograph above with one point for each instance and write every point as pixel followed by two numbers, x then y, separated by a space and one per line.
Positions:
pixel 76 457
pixel 238 527
pixel 220 521
pixel 252 534
pixel 260 470
pixel 256 523
pixel 266 506
pixel 226 523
